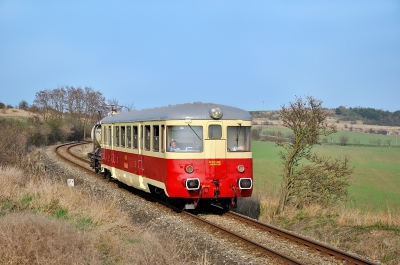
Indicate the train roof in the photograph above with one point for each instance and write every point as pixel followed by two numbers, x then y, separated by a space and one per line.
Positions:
pixel 194 111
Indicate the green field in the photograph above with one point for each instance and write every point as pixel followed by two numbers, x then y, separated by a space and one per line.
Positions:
pixel 374 186
pixel 357 138
pixel 354 138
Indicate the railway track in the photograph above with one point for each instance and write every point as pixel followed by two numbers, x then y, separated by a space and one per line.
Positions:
pixel 266 230
pixel 315 250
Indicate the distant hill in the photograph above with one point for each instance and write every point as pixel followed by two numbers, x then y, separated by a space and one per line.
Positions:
pixel 382 122
pixel 368 116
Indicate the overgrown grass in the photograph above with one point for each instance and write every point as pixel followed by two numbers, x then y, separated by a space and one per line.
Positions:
pixel 45 222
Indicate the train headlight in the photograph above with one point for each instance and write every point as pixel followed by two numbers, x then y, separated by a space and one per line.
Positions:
pixel 245 183
pixel 216 113
pixel 189 169
pixel 240 168
pixel 193 184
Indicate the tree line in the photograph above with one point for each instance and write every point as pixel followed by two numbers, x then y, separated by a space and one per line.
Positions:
pixel 74 107
pixel 80 105
pixel 370 116
pixel 62 114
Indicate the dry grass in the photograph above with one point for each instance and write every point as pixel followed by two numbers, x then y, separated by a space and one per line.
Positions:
pixel 7 112
pixel 355 217
pixel 372 235
pixel 45 222
pixel 26 238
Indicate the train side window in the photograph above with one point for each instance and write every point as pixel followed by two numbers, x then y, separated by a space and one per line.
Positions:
pixel 128 136
pixel 156 138
pixel 238 138
pixel 109 135
pixel 122 136
pixel 141 137
pixel 162 135
pixel 135 137
pixel 116 135
pixel 147 137
pixel 214 131
pixel 105 135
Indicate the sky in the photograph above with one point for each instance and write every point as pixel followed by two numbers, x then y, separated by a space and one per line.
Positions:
pixel 255 55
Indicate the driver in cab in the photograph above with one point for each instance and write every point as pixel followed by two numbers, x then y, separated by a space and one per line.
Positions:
pixel 173 147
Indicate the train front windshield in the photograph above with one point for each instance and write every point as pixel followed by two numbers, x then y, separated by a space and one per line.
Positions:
pixel 238 138
pixel 185 138
pixel 190 138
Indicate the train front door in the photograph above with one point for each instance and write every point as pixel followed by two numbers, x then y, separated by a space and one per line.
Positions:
pixel 215 152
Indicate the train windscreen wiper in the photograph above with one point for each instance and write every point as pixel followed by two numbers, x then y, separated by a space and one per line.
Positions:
pixel 194 132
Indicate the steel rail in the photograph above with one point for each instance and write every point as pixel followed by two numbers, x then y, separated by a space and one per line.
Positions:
pixel 269 251
pixel 322 248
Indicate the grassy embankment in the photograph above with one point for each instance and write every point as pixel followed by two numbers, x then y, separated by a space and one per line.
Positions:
pixel 43 221
pixel 368 224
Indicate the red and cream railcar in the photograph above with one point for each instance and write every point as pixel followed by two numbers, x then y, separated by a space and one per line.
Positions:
pixel 211 162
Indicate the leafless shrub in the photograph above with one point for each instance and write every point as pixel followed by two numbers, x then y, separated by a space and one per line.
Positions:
pixel 308 120
pixel 344 139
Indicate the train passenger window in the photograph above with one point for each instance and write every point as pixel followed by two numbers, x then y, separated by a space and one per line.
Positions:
pixel 109 135
pixel 215 131
pixel 116 135
pixel 238 138
pixel 147 137
pixel 128 136
pixel 105 135
pixel 156 138
pixel 187 138
pixel 141 137
pixel 135 137
pixel 162 135
pixel 123 136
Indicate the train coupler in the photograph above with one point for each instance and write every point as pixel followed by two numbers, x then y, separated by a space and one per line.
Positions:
pixel 216 191
pixel 234 199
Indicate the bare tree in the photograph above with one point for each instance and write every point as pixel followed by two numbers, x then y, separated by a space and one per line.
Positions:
pixel 130 107
pixel 81 105
pixel 51 103
pixel 94 104
pixel 23 105
pixel 42 101
pixel 344 139
pixel 58 102
pixel 307 119
pixel 113 103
